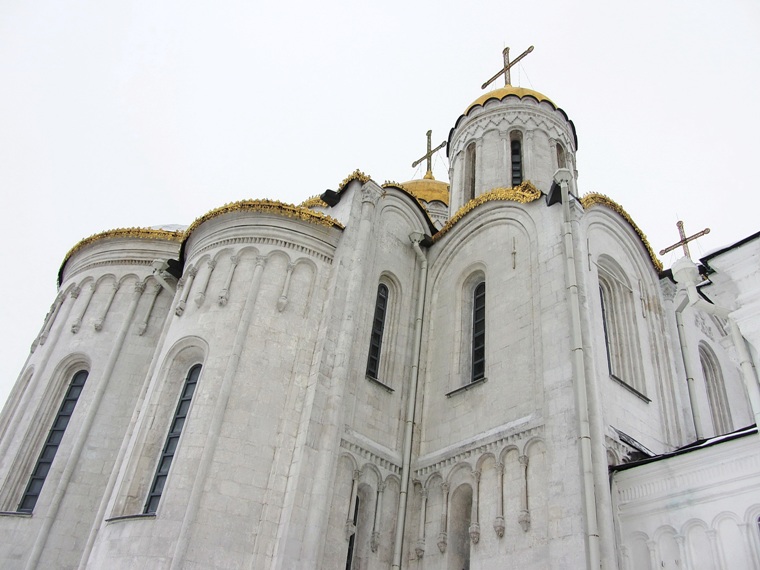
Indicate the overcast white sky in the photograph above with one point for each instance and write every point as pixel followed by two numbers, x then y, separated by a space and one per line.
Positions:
pixel 121 114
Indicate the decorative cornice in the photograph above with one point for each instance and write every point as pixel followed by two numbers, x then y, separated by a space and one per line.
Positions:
pixel 267 207
pixel 266 241
pixel 425 467
pixel 377 460
pixel 594 199
pixel 132 233
pixel 523 194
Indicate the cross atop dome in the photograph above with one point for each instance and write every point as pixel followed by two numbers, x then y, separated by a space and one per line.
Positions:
pixel 429 157
pixel 507 67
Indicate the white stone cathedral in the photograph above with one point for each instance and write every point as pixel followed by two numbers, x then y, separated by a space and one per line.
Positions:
pixel 496 374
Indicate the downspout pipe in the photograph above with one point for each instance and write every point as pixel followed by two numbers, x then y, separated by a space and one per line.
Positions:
pixel 406 466
pixel 689 368
pixel 563 176
pixel 685 272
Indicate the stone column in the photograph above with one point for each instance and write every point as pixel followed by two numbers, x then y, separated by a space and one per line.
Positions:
pixel 652 546
pixel 712 535
pixel 220 407
pixel 524 516
pixel 224 296
pixel 146 318
pixel 187 285
pixel 375 542
pixel 100 320
pixel 420 549
pixel 51 318
pixel 282 302
pixel 88 293
pixel 474 517
pixel 498 523
pixel 350 527
pixel 443 534
pixel 201 295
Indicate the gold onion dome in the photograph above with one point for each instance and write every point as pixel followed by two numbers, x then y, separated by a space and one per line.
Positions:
pixel 503 92
pixel 428 189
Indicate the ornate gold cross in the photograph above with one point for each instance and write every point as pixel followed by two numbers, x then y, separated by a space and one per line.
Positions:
pixel 684 240
pixel 429 157
pixel 507 67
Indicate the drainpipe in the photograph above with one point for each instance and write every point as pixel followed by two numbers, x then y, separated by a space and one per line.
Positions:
pixel 416 238
pixel 563 177
pixel 689 367
pixel 687 274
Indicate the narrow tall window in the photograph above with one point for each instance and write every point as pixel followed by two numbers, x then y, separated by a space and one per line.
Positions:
pixel 378 325
pixel 517 167
pixel 42 468
pixel 620 328
pixel 716 391
pixel 469 173
pixel 479 332
pixel 606 327
pixel 352 540
pixel 170 447
pixel 560 156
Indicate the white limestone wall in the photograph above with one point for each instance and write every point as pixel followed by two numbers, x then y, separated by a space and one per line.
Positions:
pixel 698 510
pixel 510 438
pixel 650 411
pixel 223 499
pixel 539 126
pixel 100 283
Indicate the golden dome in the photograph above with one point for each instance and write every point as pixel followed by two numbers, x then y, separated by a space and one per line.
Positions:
pixel 503 92
pixel 428 189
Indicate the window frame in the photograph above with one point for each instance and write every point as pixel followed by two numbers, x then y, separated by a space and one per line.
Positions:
pixel 379 318
pixel 50 448
pixel 171 443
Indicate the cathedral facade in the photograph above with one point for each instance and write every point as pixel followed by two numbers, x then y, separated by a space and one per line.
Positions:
pixel 495 372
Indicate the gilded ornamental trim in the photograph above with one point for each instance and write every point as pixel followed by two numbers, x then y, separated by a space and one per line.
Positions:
pixel 595 199
pixel 267 207
pixel 135 233
pixel 523 194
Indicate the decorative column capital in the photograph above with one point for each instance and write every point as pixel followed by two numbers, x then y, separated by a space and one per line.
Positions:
pixel 139 287
pixel 235 259
pixel 442 541
pixel 261 260
pixel 475 532
pixel 476 475
pixel 523 459
pixel 498 526
pixel 75 292
pixel 419 550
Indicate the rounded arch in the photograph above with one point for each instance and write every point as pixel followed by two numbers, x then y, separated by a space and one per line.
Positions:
pixel 351 459
pixel 532 444
pixel 507 449
pixel 462 470
pixel 106 277
pixel 716 389
pixel 431 480
pixel 482 459
pixel 370 469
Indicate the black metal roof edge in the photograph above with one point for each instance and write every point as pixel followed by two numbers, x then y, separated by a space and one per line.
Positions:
pixel 706 259
pixel 697 445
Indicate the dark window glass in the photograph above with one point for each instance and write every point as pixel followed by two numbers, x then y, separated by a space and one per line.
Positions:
pixel 350 556
pixel 479 332
pixel 170 446
pixel 55 435
pixel 517 169
pixel 605 324
pixel 378 324
pixel 469 172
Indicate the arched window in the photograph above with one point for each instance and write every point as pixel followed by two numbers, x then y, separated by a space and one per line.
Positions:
pixel 517 165
pixel 378 326
pixel 620 329
pixel 469 173
pixel 172 439
pixel 560 156
pixel 45 460
pixel 479 332
pixel 716 390
pixel 460 515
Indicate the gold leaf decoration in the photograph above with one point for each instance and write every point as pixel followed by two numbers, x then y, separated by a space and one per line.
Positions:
pixel 355 175
pixel 314 202
pixel 268 207
pixel 523 194
pixel 134 233
pixel 595 199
